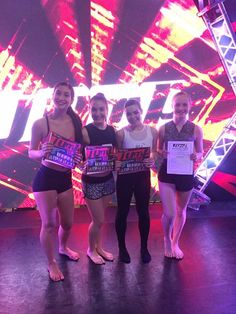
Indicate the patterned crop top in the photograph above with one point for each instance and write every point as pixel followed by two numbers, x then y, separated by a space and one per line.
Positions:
pixel 171 132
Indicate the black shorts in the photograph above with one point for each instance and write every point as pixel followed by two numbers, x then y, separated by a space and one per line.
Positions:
pixel 48 179
pixel 182 182
pixel 97 187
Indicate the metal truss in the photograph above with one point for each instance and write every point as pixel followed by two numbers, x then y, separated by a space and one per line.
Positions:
pixel 221 148
pixel 218 23
pixel 218 152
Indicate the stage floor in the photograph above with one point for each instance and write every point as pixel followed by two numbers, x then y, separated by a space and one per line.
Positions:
pixel 203 282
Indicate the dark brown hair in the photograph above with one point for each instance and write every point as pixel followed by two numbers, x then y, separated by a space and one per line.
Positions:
pixel 72 93
pixel 99 96
pixel 73 115
pixel 131 102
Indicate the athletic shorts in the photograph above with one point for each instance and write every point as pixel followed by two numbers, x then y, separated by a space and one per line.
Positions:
pixel 182 182
pixel 96 187
pixel 48 179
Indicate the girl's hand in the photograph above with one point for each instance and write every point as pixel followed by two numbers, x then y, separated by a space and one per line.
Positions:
pixel 46 149
pixel 82 166
pixel 78 158
pixel 158 160
pixel 118 165
pixel 162 153
pixel 196 157
pixel 149 162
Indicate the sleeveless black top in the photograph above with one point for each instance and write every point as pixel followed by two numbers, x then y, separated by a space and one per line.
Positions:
pixel 101 137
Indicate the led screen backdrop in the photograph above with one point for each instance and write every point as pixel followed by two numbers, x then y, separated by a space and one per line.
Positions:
pixel 144 49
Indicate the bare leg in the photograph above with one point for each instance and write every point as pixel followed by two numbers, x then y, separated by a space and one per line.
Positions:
pixel 168 198
pixel 47 205
pixel 66 215
pixel 96 211
pixel 180 218
pixel 106 255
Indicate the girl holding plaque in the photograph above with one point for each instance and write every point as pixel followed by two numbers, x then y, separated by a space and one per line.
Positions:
pixel 98 186
pixel 52 186
pixel 137 183
pixel 179 140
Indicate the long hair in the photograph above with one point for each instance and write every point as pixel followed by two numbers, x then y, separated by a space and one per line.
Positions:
pixel 73 115
pixel 77 125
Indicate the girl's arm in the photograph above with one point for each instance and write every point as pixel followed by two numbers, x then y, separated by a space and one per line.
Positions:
pixel 198 144
pixel 36 151
pixel 120 138
pixel 85 136
pixel 161 151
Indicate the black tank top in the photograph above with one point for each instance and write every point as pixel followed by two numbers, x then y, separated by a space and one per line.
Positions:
pixel 101 137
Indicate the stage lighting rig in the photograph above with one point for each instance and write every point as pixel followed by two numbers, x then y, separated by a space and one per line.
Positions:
pixel 218 23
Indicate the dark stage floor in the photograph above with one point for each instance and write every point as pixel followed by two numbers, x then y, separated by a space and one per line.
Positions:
pixel 203 282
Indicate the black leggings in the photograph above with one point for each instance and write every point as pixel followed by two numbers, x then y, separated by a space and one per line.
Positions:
pixel 127 185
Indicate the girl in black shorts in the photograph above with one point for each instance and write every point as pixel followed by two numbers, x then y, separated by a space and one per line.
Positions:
pixel 52 186
pixel 175 190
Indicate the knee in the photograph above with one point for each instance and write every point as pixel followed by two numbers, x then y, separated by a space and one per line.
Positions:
pixel 122 213
pixel 120 217
pixel 49 227
pixel 66 226
pixel 170 216
pixel 97 223
pixel 143 215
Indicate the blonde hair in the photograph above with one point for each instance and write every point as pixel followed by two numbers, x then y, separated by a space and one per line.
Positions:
pixel 182 93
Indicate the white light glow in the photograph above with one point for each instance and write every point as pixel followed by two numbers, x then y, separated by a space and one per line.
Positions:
pixel 9 101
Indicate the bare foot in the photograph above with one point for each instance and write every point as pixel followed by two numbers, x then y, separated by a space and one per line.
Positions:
pixel 74 256
pixel 95 258
pixel 168 248
pixel 106 255
pixel 177 252
pixel 54 272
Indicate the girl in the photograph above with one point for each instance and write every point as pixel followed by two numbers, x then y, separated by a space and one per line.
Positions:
pixel 97 188
pixel 136 134
pixel 52 186
pixel 175 189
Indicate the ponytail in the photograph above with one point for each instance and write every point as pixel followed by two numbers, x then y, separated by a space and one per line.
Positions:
pixel 77 125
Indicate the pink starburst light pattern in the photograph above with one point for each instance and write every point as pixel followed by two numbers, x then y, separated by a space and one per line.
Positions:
pixel 61 15
pixel 103 27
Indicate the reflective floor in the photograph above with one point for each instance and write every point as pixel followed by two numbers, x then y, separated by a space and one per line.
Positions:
pixel 203 282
